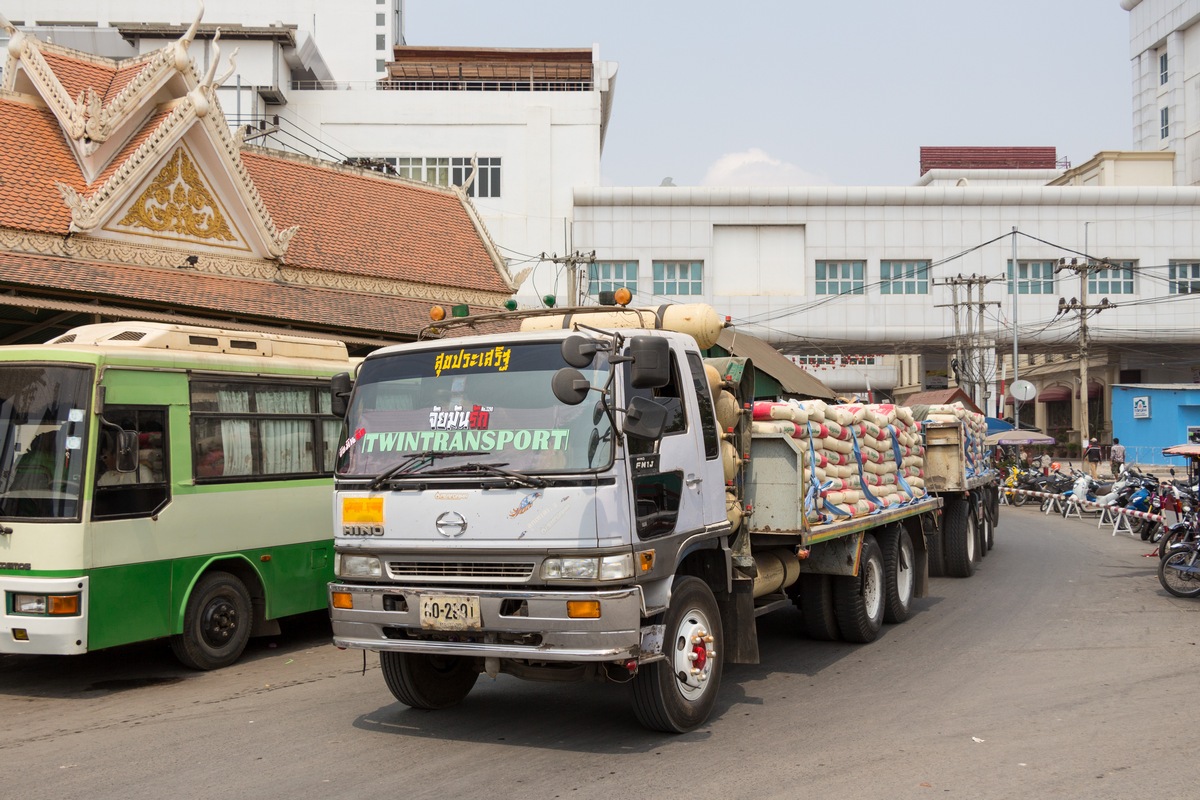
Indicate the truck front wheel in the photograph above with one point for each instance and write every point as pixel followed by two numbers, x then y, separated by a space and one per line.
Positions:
pixel 677 694
pixel 859 599
pixel 427 681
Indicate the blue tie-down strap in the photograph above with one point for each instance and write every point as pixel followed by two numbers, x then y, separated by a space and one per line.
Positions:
pixel 870 498
pixel 814 488
pixel 900 465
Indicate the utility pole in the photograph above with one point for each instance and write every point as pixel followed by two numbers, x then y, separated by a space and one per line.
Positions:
pixel 572 263
pixel 970 358
pixel 1083 269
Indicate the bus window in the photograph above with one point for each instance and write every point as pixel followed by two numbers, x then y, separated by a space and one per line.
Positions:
pixel 144 490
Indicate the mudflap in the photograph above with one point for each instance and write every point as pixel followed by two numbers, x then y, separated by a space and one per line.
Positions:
pixel 737 620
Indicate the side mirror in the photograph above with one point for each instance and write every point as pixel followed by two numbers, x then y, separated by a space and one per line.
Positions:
pixel 645 419
pixel 651 362
pixel 579 351
pixel 340 386
pixel 570 386
pixel 127 451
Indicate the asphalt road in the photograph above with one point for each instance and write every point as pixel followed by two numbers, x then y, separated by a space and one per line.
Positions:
pixel 1061 669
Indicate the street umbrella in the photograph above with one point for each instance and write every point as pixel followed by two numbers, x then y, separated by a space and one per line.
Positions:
pixel 1018 437
pixel 995 425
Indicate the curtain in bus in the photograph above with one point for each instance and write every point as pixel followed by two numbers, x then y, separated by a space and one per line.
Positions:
pixel 287 444
pixel 331 430
pixel 235 433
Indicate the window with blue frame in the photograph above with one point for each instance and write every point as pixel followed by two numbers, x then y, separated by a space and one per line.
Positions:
pixel 679 277
pixel 904 277
pixel 1033 277
pixel 1183 277
pixel 1112 280
pixel 608 276
pixel 839 277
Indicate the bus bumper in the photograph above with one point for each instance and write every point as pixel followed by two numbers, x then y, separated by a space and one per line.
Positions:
pixel 42 634
pixel 523 624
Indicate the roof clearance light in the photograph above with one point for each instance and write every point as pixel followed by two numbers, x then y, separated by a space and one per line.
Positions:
pixel 462 310
pixel 437 313
pixel 549 300
pixel 623 296
pixel 510 304
pixel 607 298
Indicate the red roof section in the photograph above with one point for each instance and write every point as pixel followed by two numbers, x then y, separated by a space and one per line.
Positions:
pixel 361 223
pixel 940 397
pixel 987 158
pixel 36 155
pixel 78 74
pixel 218 295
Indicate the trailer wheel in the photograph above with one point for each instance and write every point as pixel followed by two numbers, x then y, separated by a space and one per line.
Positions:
pixel 992 505
pixel 859 600
pixel 677 694
pixel 427 681
pixel 898 568
pixel 216 623
pixel 979 512
pixel 959 537
pixel 815 598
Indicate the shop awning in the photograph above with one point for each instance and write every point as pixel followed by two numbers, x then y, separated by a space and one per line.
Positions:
pixel 1094 390
pixel 1054 394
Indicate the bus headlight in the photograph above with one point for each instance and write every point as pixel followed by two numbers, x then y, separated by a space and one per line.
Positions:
pixel 355 566
pixel 54 605
pixel 607 568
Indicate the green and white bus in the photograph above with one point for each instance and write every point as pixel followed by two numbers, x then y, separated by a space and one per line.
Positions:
pixel 164 481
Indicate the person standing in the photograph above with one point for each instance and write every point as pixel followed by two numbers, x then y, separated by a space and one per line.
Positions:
pixel 1092 457
pixel 1116 457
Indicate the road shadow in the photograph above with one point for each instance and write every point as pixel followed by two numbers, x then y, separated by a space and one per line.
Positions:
pixel 137 666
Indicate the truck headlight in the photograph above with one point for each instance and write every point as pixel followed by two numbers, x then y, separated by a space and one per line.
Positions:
pixel 355 566
pixel 607 568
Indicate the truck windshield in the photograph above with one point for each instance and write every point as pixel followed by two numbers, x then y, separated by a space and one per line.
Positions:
pixel 473 404
pixel 43 427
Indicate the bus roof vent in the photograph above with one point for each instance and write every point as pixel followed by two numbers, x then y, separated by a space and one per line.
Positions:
pixel 196 339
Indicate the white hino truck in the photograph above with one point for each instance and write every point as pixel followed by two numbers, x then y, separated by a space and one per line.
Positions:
pixel 584 500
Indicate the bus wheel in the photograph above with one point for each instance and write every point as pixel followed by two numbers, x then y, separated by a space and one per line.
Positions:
pixel 677 694
pixel 859 599
pixel 427 681
pixel 216 623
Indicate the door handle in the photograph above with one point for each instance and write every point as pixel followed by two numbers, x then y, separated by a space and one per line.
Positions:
pixel 692 481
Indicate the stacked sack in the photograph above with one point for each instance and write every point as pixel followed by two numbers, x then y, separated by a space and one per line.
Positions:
pixel 975 425
pixel 858 459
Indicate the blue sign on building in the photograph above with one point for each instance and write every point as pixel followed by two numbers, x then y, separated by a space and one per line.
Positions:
pixel 1148 417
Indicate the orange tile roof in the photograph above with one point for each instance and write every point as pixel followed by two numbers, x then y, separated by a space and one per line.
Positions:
pixel 359 223
pixel 311 307
pixel 35 156
pixel 78 74
pixel 145 132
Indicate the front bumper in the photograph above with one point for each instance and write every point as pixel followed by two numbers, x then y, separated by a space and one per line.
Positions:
pixel 520 624
pixel 43 634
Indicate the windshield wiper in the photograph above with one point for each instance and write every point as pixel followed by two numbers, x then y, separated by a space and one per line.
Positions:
pixel 475 468
pixel 412 462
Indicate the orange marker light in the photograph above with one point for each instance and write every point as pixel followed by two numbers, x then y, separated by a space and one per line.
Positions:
pixel 64 605
pixel 622 296
pixel 343 600
pixel 583 609
pixel 437 313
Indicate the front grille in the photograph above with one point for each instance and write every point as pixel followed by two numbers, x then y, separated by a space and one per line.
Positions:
pixel 468 570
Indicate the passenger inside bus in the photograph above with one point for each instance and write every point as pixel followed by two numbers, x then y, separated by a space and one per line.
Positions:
pixel 35 469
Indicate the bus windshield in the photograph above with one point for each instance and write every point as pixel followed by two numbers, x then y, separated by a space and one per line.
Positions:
pixel 43 427
pixel 460 405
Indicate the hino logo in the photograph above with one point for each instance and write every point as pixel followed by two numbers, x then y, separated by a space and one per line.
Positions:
pixel 451 524
pixel 362 530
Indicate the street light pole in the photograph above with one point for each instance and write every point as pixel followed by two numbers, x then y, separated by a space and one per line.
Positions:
pixel 1016 373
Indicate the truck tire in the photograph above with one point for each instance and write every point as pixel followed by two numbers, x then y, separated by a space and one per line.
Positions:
pixel 815 598
pixel 427 681
pixel 859 599
pixel 992 505
pixel 677 694
pixel 216 623
pixel 959 537
pixel 899 560
pixel 979 512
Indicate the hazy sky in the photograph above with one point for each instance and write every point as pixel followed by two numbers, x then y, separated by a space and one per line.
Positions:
pixel 840 92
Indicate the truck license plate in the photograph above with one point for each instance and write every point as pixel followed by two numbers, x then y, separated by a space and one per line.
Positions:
pixel 450 612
